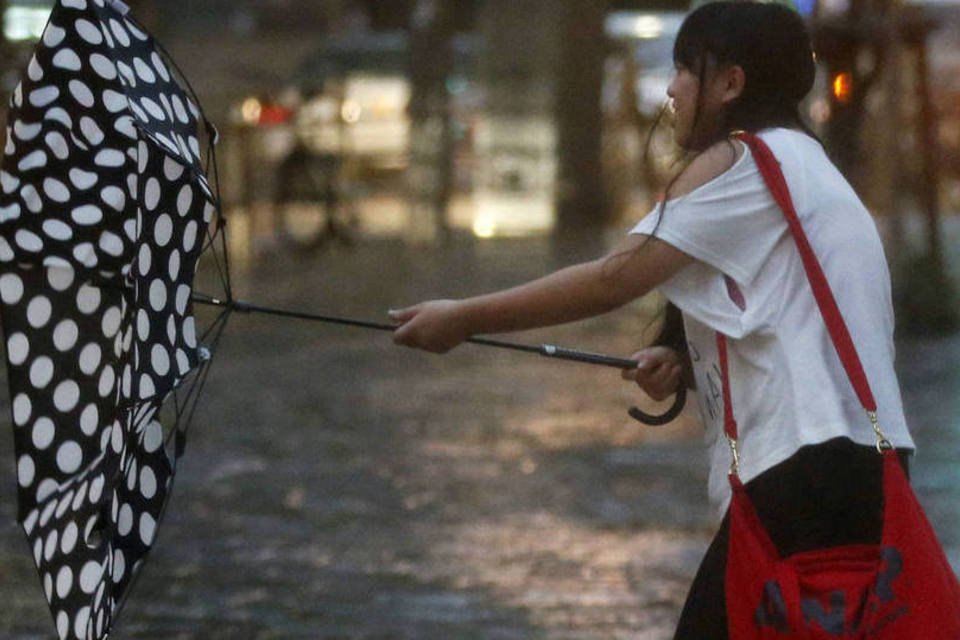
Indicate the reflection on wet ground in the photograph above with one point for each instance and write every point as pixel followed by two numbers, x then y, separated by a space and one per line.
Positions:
pixel 338 487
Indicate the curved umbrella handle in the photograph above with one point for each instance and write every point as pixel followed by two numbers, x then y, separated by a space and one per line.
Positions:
pixel 679 400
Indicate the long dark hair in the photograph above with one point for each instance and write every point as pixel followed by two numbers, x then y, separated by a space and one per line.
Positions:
pixel 771 44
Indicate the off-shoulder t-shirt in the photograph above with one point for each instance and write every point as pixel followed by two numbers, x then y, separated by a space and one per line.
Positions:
pixel 788 386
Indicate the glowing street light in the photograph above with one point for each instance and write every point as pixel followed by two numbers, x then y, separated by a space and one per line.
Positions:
pixel 843 87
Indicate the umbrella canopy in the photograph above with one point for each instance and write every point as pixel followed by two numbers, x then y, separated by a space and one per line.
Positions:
pixel 105 209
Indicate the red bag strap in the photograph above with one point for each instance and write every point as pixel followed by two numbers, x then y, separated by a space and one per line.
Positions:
pixel 839 334
pixel 729 422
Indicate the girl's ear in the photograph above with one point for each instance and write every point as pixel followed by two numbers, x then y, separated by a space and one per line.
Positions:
pixel 734 80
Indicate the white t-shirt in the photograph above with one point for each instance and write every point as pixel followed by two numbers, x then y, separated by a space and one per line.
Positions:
pixel 788 386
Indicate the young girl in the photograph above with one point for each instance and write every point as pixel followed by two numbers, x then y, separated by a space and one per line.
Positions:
pixel 719 249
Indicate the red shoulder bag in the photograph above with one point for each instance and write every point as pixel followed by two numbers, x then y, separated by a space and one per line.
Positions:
pixel 901 589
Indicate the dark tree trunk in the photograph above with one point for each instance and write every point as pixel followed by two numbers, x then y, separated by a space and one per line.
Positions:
pixel 582 204
pixel 431 139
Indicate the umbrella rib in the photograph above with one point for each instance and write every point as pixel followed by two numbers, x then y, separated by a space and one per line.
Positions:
pixel 547 350
pixel 225 278
pixel 222 265
pixel 185 407
pixel 221 318
pixel 190 403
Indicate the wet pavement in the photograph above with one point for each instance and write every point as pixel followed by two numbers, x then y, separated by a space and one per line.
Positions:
pixel 338 487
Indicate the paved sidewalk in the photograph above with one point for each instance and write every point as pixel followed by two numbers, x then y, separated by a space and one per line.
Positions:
pixel 338 487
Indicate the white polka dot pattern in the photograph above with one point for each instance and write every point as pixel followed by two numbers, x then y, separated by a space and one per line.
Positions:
pixel 103 209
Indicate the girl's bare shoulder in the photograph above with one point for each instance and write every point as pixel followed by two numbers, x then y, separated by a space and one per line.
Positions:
pixel 706 166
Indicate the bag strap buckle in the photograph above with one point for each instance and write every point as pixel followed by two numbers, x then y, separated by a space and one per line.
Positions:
pixel 734 457
pixel 883 444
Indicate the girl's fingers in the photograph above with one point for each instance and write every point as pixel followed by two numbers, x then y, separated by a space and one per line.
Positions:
pixel 658 372
pixel 643 364
pixel 431 326
pixel 649 362
pixel 662 385
pixel 405 333
pixel 402 315
pixel 667 385
pixel 662 371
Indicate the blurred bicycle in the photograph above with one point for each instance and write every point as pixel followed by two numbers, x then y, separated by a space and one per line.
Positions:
pixel 312 205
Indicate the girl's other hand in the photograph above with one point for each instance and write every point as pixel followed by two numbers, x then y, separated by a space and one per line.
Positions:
pixel 658 373
pixel 435 326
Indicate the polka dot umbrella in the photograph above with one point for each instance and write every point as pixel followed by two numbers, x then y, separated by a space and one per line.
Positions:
pixel 104 211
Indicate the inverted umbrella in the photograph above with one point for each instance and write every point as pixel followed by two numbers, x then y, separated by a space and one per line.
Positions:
pixel 105 209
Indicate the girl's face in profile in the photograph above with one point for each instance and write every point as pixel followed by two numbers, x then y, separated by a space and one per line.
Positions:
pixel 697 105
pixel 683 92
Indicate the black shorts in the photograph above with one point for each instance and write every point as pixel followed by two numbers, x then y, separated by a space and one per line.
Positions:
pixel 824 495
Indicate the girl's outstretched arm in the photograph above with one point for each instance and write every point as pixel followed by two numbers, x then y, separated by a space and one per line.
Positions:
pixel 635 267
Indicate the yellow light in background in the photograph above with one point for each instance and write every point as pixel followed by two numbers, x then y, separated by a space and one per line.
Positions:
pixel 648 27
pixel 383 108
pixel 843 87
pixel 350 111
pixel 484 227
pixel 630 25
pixel 250 111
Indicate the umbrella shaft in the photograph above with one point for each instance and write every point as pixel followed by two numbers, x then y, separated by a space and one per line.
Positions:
pixel 547 350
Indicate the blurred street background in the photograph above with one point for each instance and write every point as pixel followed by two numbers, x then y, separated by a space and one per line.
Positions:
pixel 374 153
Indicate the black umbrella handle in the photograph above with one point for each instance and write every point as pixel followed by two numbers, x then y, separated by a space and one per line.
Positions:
pixel 679 400
pixel 560 353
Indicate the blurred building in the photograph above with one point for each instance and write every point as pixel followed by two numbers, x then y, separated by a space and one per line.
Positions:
pixel 252 57
pixel 505 119
pixel 249 60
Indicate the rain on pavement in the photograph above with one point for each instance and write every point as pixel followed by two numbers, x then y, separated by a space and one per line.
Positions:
pixel 337 487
